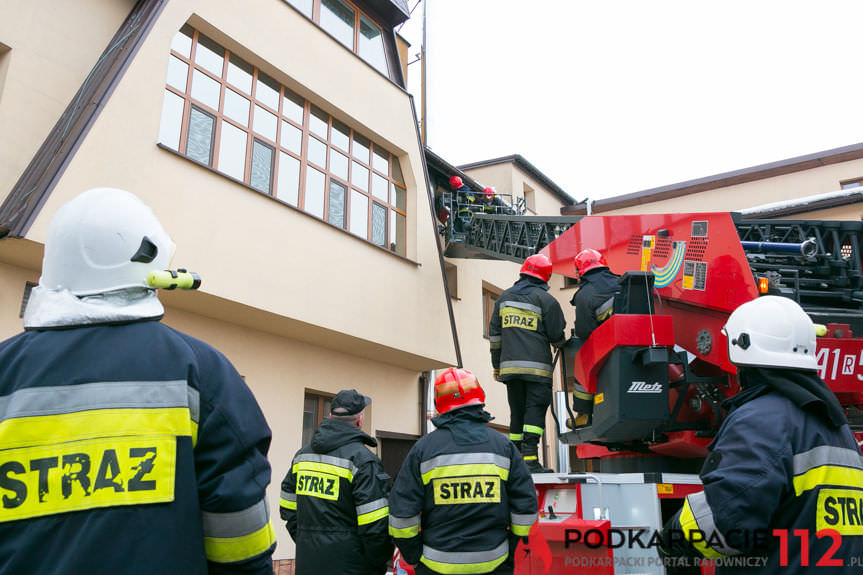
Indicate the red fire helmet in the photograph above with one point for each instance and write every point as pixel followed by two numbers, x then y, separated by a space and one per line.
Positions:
pixel 455 182
pixel 538 266
pixel 589 259
pixel 456 387
pixel 488 193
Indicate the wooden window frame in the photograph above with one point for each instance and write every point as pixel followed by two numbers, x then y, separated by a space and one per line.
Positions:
pixel 489 296
pixel 316 18
pixel 219 116
pixel 843 184
pixel 321 399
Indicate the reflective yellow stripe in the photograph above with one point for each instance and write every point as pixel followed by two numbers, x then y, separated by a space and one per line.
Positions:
pixel 529 457
pixel 92 424
pixel 464 562
pixel 232 549
pixel 516 436
pixel 519 530
pixel 583 395
pixel 533 429
pixel 285 504
pixel 828 475
pixel 462 568
pixel 405 532
pixel 373 516
pixel 323 468
pixel 494 345
pixel 525 371
pixel 465 469
pixel 688 525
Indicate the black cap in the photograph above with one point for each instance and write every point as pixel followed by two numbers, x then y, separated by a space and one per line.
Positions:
pixel 349 402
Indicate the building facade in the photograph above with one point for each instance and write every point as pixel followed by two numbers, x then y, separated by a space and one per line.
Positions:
pixel 277 145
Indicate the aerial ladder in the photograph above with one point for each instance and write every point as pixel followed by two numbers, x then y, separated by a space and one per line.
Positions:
pixel 682 276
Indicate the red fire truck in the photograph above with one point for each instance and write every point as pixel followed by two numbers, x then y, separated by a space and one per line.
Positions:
pixel 659 367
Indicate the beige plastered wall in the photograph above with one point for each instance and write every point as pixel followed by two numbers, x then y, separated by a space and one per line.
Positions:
pixel 294 303
pixel 811 182
pixel 248 247
pixel 47 61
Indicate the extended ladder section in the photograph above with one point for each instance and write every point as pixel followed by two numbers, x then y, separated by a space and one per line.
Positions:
pixel 815 262
pixel 507 237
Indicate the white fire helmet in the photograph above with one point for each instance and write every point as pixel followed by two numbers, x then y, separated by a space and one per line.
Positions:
pixel 771 331
pixel 103 240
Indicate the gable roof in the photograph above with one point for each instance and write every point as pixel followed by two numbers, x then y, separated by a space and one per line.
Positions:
pixel 526 166
pixel 723 180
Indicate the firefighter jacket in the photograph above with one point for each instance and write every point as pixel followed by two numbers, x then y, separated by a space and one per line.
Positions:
pixel 334 502
pixel 778 463
pixel 462 497
pixel 525 320
pixel 131 449
pixel 594 289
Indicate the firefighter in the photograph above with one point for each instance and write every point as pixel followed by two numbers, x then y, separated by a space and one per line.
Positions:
pixel 466 202
pixel 463 497
pixel 334 498
pixel 525 321
pixel 593 305
pixel 784 463
pixel 127 446
pixel 491 204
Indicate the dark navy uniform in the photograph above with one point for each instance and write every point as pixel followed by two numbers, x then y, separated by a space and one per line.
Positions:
pixel 526 320
pixel 595 287
pixel 334 503
pixel 131 449
pixel 783 459
pixel 462 498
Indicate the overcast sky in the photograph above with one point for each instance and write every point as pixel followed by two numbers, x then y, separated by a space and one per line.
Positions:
pixel 610 97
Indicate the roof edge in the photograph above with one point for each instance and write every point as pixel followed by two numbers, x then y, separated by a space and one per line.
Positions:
pixel 722 180
pixel 522 163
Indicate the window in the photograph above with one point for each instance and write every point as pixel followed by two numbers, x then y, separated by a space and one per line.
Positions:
pixel 451 279
pixel 227 114
pixel 344 22
pixel 489 297
pixel 316 407
pixel 529 198
pixel 848 184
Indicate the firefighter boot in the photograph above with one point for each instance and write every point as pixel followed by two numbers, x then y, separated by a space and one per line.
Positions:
pixel 530 451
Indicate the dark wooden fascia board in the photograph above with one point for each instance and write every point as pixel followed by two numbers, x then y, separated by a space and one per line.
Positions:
pixel 440 253
pixel 32 189
pixel 444 168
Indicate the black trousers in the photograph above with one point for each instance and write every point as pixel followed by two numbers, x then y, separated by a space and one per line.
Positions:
pixel 528 403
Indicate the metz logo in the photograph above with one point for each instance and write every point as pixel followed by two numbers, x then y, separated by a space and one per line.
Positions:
pixel 643 387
